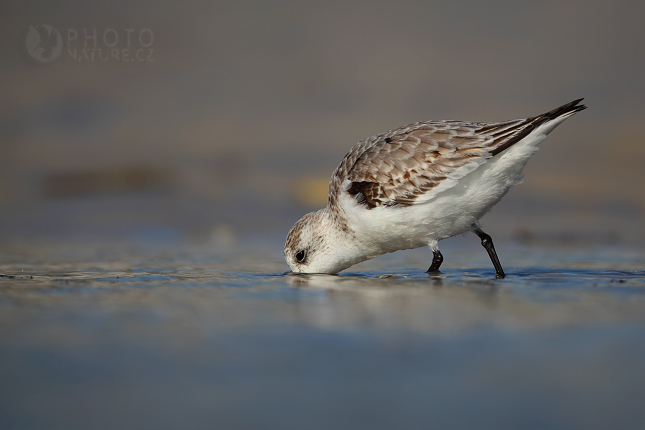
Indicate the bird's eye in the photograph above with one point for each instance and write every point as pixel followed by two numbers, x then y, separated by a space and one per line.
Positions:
pixel 301 255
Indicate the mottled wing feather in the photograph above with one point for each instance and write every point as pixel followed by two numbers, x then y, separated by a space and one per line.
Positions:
pixel 396 167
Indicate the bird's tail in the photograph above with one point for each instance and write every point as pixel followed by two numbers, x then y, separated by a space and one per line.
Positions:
pixel 542 124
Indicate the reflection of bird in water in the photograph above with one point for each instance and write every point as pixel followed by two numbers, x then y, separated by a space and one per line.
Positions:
pixel 48 41
pixel 414 186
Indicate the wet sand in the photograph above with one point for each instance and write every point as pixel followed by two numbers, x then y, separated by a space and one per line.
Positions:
pixel 166 337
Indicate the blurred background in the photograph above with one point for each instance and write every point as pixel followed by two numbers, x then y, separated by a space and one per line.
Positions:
pixel 214 121
pixel 153 156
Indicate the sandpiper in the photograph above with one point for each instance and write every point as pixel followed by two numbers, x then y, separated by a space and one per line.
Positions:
pixel 414 186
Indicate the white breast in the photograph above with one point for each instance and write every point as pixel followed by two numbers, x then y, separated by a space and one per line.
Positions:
pixel 446 211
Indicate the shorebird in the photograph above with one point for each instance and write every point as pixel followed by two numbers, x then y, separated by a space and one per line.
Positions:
pixel 414 186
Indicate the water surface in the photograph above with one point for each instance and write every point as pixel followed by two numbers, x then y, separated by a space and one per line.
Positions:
pixel 113 336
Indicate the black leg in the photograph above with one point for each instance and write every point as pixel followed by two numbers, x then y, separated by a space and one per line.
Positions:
pixel 487 243
pixel 437 259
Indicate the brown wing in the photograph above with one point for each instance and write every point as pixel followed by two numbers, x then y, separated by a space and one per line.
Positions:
pixel 396 167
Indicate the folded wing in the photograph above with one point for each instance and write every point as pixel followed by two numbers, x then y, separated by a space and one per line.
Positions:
pixel 397 167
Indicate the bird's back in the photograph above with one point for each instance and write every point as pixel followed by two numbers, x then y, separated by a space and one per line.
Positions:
pixel 435 178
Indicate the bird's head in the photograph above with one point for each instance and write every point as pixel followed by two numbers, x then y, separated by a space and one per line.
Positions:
pixel 320 243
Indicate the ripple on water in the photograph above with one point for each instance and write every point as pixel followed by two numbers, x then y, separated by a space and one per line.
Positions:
pixel 211 337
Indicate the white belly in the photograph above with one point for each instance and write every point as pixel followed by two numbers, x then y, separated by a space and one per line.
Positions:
pixel 446 214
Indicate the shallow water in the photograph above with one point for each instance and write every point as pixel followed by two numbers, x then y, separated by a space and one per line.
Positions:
pixel 157 336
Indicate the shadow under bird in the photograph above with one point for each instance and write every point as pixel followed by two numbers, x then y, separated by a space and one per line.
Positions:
pixel 414 186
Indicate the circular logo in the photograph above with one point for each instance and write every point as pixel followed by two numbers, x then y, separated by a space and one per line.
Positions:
pixel 44 43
